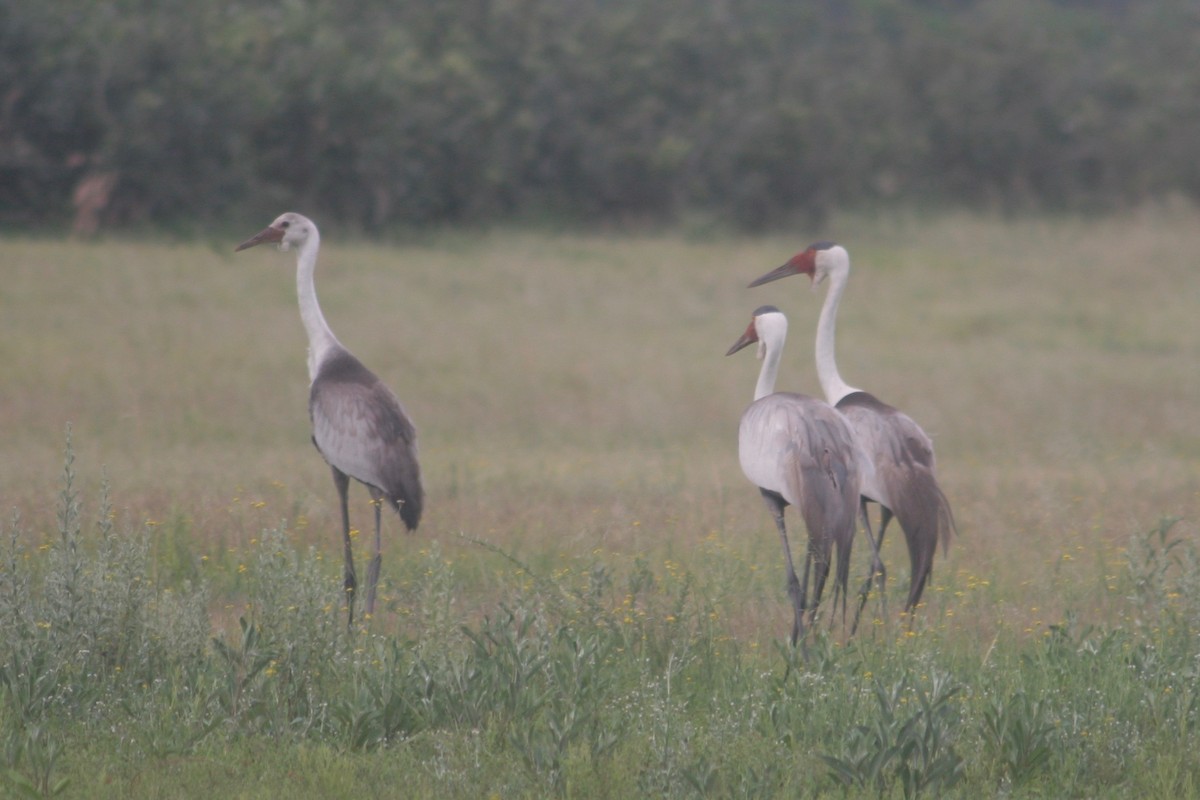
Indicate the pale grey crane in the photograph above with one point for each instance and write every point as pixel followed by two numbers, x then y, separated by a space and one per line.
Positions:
pixel 798 451
pixel 358 425
pixel 903 481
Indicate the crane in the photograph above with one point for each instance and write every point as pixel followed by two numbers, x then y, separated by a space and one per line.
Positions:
pixel 358 424
pixel 903 481
pixel 798 451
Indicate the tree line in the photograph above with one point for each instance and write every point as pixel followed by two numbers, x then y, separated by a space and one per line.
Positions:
pixel 378 113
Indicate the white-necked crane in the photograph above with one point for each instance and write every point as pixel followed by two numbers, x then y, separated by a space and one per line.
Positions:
pixel 904 481
pixel 358 425
pixel 798 451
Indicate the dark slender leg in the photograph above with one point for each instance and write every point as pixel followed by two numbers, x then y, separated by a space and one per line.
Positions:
pixel 377 560
pixel 878 571
pixel 776 504
pixel 885 516
pixel 808 568
pixel 342 481
pixel 818 558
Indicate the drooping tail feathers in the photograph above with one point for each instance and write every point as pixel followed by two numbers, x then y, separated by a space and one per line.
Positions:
pixel 408 505
pixel 924 514
pixel 830 511
pixel 410 509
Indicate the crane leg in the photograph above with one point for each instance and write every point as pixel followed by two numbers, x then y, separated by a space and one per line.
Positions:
pixel 376 560
pixel 342 481
pixel 818 557
pixel 885 516
pixel 776 504
pixel 878 570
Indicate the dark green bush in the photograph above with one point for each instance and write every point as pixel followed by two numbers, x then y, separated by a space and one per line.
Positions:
pixel 389 114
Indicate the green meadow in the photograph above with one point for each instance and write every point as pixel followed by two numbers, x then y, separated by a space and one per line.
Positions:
pixel 594 604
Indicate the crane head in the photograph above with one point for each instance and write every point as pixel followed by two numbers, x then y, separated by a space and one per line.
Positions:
pixel 810 261
pixel 287 229
pixel 751 335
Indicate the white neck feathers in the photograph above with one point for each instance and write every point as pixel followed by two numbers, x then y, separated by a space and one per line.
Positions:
pixel 772 333
pixel 827 371
pixel 320 338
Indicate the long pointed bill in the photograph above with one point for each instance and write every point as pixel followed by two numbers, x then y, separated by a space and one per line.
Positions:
pixel 748 338
pixel 787 269
pixel 273 235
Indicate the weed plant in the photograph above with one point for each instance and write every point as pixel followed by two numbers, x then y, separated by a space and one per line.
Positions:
pixel 613 683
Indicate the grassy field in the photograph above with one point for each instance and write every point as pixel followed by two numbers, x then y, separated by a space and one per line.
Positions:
pixel 593 605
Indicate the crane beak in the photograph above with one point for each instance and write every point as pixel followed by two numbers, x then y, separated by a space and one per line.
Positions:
pixel 273 235
pixel 748 338
pixel 787 269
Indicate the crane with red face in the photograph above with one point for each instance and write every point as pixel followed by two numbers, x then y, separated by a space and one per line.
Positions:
pixel 798 451
pixel 903 480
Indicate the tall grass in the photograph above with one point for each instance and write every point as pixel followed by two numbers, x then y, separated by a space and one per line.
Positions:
pixel 594 605
pixel 562 688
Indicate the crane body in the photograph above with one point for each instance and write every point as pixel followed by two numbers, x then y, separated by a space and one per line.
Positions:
pixel 359 426
pixel 902 474
pixel 798 451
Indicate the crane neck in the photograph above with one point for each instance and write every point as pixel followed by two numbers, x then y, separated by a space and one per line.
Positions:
pixel 320 338
pixel 773 347
pixel 827 370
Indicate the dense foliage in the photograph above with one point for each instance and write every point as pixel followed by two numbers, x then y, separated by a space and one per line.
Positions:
pixel 380 113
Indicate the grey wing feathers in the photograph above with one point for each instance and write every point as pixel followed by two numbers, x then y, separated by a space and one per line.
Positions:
pixel 784 436
pixel 831 490
pixel 889 434
pixel 360 427
pixel 800 448
pixel 903 458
